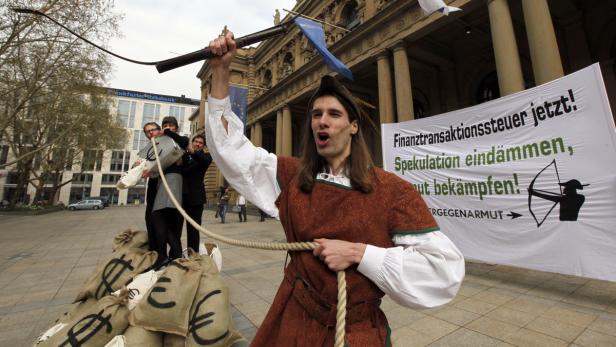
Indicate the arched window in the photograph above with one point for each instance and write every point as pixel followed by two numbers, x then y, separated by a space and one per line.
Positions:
pixel 350 15
pixel 488 88
pixel 287 64
pixel 267 79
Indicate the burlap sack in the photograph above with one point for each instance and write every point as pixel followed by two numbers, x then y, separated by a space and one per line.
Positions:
pixel 172 340
pixel 139 337
pixel 77 310
pixel 122 266
pixel 210 321
pixel 139 286
pixel 96 327
pixel 130 239
pixel 167 304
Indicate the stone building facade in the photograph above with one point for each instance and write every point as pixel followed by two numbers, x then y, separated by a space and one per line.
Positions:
pixel 408 65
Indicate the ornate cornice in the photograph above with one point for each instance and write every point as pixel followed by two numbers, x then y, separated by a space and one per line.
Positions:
pixel 396 22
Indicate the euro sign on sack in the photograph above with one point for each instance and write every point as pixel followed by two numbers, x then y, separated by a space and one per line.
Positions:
pixel 168 152
pixel 139 286
pixel 166 306
pixel 210 321
pixel 96 327
pixel 122 266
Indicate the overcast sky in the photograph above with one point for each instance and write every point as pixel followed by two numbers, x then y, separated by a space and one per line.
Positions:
pixel 160 29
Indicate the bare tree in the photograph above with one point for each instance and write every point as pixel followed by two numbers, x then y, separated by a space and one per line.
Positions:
pixel 49 97
pixel 89 129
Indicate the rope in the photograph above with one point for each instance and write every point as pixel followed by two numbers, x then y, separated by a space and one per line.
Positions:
pixel 282 246
pixel 40 13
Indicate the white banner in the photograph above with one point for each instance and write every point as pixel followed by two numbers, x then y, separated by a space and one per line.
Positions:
pixel 527 180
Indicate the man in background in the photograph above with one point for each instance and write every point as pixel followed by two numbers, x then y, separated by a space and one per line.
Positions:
pixel 195 165
pixel 241 202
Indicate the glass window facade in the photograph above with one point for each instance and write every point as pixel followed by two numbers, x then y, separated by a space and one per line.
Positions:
pixel 178 113
pixel 151 113
pixel 139 140
pixel 126 113
pixel 120 161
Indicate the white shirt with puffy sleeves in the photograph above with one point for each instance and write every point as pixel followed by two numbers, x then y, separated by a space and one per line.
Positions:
pixel 420 271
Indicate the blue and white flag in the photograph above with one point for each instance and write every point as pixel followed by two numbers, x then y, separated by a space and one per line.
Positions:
pixel 315 34
pixel 239 101
pixel 431 6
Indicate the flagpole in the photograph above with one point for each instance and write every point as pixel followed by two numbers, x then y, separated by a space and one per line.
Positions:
pixel 316 20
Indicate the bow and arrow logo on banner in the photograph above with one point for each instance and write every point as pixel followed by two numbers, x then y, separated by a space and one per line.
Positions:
pixel 570 201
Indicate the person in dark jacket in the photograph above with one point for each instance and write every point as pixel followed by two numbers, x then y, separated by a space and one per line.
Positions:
pixel 195 165
pixel 223 204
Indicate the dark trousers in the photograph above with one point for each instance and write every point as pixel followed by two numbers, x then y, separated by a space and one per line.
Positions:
pixel 192 234
pixel 242 213
pixel 167 230
pixel 262 215
pixel 149 227
pixel 222 212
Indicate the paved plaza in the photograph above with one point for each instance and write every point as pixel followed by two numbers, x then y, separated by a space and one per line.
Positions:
pixel 45 260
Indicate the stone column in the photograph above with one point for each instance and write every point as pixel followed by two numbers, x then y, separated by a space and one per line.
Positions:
pixel 386 98
pixel 542 41
pixel 279 131
pixel 508 67
pixel 287 131
pixel 252 81
pixel 258 134
pixel 402 76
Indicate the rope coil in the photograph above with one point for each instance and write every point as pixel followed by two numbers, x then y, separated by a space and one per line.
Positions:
pixel 278 246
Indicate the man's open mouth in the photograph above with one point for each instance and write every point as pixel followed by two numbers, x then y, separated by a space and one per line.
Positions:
pixel 322 138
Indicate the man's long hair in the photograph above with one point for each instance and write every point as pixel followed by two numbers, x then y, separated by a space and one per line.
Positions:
pixel 359 167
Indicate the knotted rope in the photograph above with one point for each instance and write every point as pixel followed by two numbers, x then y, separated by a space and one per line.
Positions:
pixel 279 246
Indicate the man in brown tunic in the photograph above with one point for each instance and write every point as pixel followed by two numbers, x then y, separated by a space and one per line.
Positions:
pixel 334 195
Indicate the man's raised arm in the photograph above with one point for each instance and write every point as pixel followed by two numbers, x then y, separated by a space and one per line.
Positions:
pixel 224 49
pixel 250 170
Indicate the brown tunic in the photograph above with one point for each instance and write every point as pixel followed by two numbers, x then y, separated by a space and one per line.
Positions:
pixel 303 311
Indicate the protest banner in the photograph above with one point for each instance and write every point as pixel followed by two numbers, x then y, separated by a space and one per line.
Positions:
pixel 527 180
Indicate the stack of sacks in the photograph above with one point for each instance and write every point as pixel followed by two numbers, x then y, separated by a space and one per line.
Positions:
pixel 185 304
pixel 188 306
pixel 96 317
